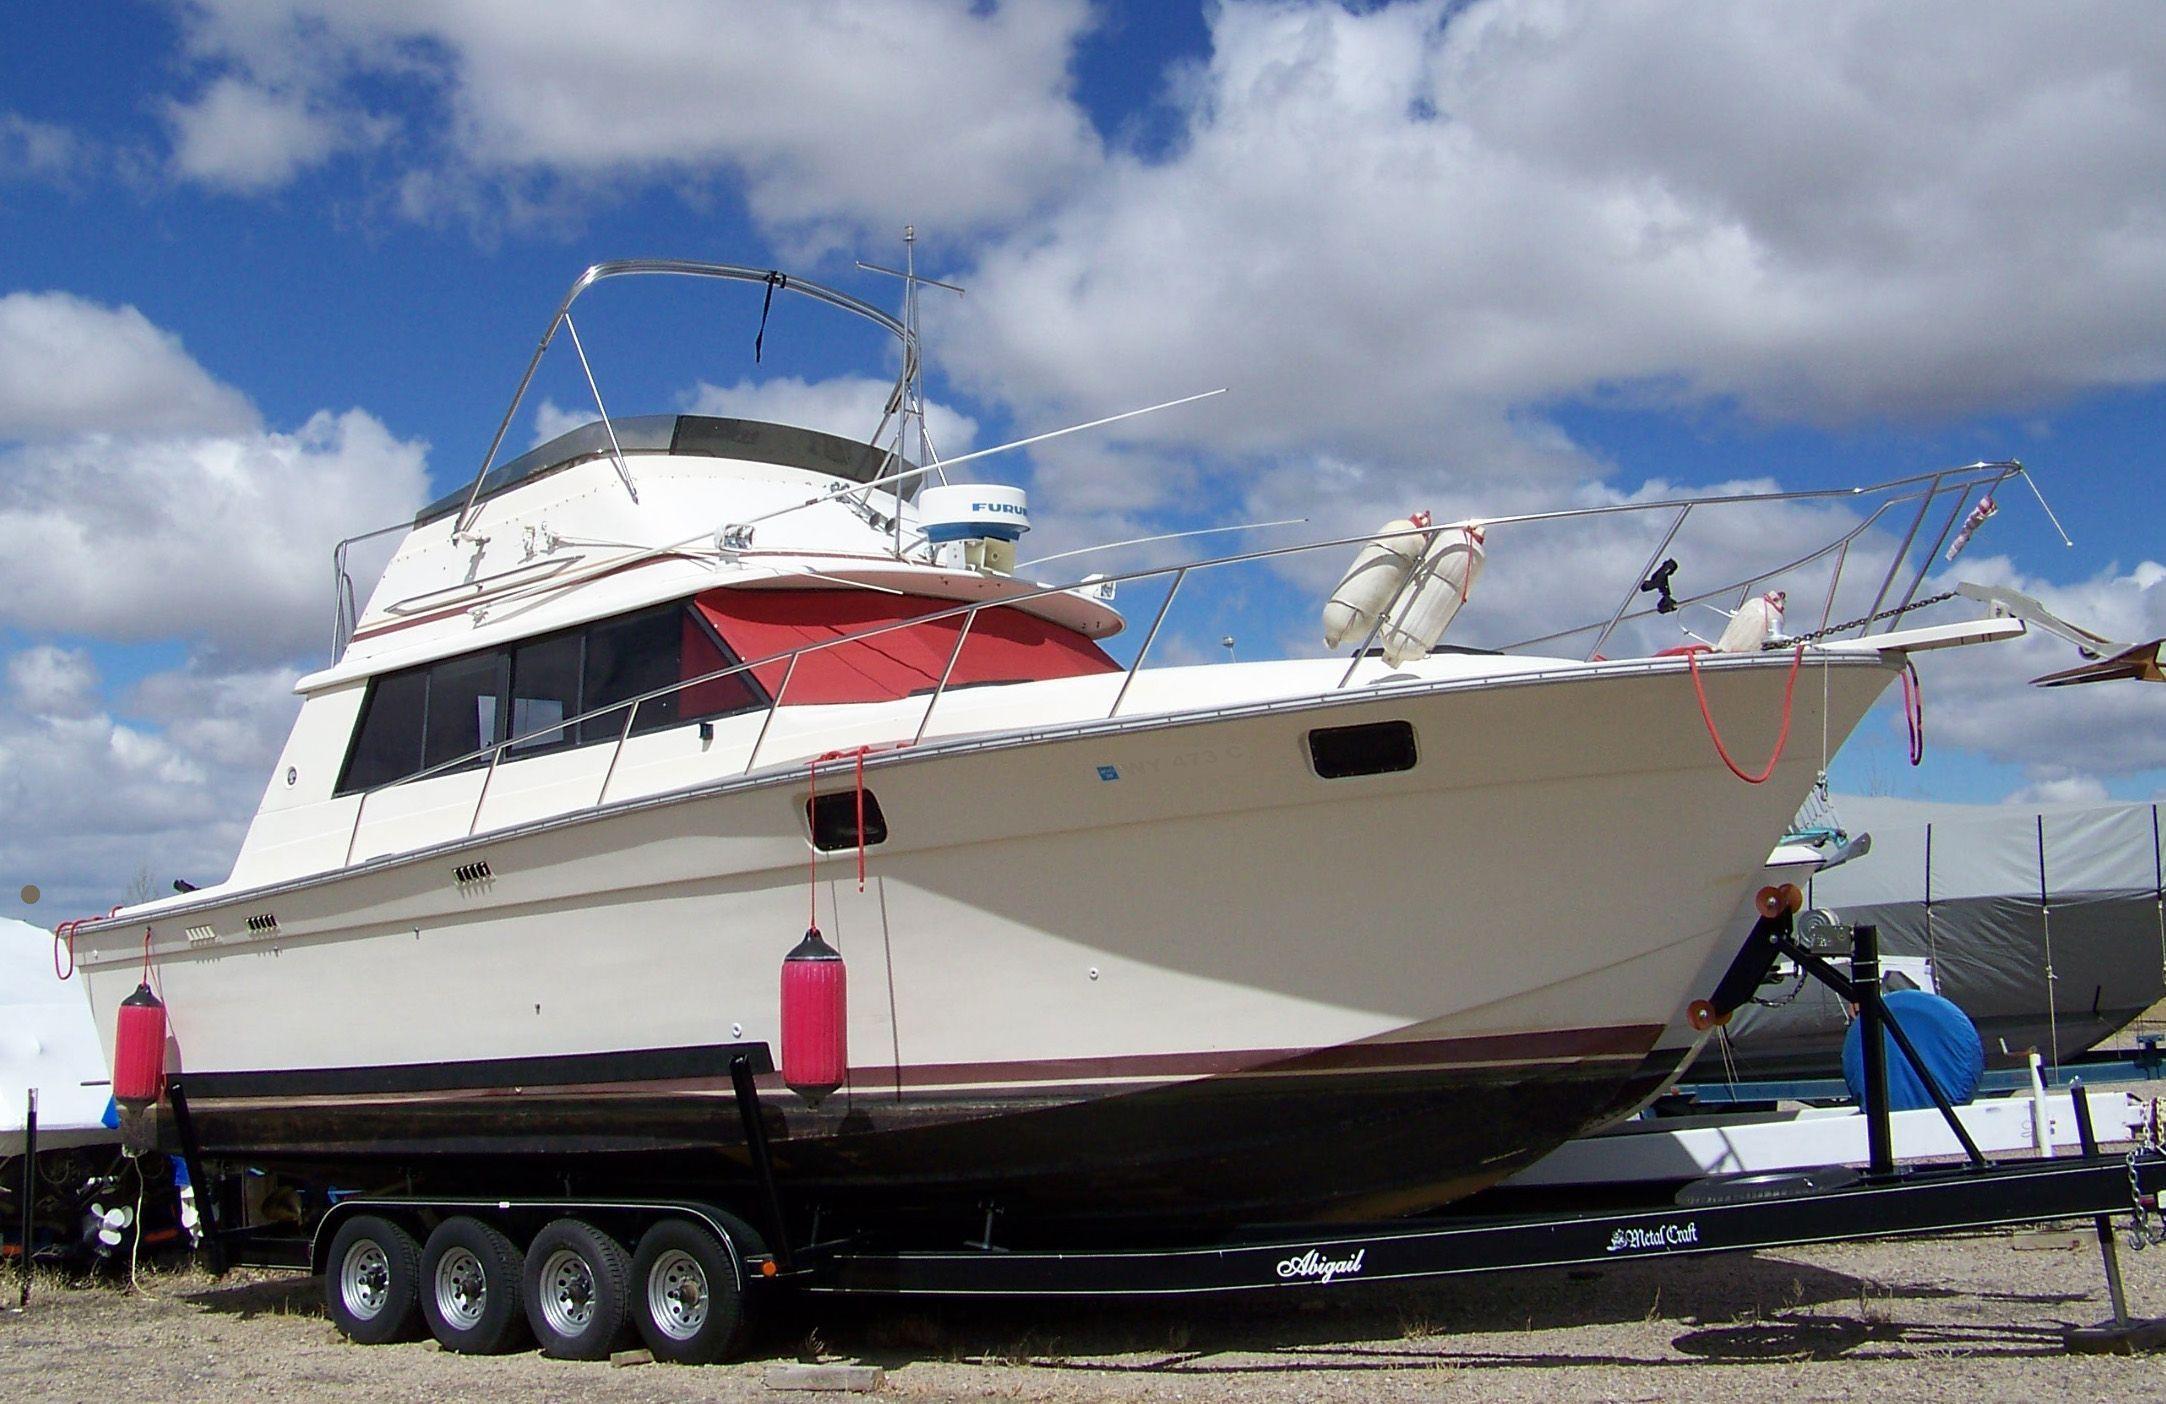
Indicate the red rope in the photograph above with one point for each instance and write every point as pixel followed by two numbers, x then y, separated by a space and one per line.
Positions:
pixel 1782 737
pixel 64 934
pixel 146 955
pixel 1914 712
pixel 812 810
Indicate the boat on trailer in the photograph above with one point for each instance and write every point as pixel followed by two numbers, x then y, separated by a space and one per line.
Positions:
pixel 1310 937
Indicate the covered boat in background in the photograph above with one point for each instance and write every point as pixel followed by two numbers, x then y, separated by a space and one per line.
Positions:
pixel 2045 924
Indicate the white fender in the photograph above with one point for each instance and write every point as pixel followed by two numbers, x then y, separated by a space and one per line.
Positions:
pixel 1374 580
pixel 1755 622
pixel 1441 586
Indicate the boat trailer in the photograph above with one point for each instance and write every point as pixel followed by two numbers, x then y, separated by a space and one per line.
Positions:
pixel 1714 1215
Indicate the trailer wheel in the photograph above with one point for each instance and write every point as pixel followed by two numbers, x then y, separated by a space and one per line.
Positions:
pixel 371 1281
pixel 576 1290
pixel 471 1283
pixel 686 1297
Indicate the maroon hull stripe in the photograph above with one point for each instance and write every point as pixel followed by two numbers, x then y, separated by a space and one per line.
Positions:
pixel 1616 1041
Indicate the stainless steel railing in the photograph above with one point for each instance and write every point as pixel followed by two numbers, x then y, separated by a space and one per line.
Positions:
pixel 1924 489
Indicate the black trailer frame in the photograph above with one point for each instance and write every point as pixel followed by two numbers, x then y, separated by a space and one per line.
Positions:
pixel 1926 1201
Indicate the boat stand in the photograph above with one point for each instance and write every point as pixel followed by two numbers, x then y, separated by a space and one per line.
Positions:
pixel 30 1195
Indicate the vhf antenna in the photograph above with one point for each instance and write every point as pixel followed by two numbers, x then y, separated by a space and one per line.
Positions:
pixel 913 407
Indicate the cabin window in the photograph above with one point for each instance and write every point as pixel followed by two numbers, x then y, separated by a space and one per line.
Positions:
pixel 544 691
pixel 424 717
pixel 387 744
pixel 1374 748
pixel 833 818
pixel 464 712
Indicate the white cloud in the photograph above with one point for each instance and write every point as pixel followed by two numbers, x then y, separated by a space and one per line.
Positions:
pixel 142 499
pixel 241 136
pixel 552 419
pixel 94 798
pixel 226 537
pixel 949 112
pixel 2057 785
pixel 848 405
pixel 70 366
pixel 49 681
pixel 34 150
pixel 1387 229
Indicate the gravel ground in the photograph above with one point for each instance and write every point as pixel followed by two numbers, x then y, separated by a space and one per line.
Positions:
pixel 1975 1316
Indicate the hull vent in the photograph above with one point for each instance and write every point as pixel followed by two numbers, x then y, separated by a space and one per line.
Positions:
pixel 262 922
pixel 471 872
pixel 197 935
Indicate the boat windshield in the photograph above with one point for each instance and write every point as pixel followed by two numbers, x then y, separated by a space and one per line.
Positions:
pixel 698 435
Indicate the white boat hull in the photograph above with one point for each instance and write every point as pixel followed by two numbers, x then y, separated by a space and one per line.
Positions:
pixel 1449 968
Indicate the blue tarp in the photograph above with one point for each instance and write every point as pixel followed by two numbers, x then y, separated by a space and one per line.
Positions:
pixel 1944 1037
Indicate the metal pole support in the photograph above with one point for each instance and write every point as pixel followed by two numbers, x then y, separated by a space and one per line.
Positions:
pixel 214 1248
pixel 2107 1247
pixel 763 1165
pixel 30 1191
pixel 1865 976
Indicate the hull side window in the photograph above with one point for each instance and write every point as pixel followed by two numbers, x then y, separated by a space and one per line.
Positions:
pixel 1377 748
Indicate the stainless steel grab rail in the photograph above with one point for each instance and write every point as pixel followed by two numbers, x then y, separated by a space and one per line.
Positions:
pixel 1925 487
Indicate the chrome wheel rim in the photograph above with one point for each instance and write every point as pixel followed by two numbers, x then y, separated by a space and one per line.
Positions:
pixel 462 1289
pixel 567 1297
pixel 677 1295
pixel 364 1280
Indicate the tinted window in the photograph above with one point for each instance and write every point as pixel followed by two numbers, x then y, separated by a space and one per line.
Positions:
pixel 629 656
pixel 704 654
pixel 387 745
pixel 1376 748
pixel 465 699
pixel 544 691
pixel 425 717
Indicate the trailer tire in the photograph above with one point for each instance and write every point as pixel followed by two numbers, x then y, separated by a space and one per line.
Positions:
pixel 577 1290
pixel 371 1281
pixel 472 1286
pixel 687 1298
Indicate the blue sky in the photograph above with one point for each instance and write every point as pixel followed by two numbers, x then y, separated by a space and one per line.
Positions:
pixel 269 270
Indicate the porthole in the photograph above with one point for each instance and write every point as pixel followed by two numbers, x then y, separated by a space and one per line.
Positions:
pixel 1373 748
pixel 834 820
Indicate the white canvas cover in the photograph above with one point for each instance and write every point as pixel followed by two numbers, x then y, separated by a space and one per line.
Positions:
pixel 1990 851
pixel 47 1041
pixel 2043 923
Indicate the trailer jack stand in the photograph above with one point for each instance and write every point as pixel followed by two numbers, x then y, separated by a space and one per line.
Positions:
pixel 2122 1335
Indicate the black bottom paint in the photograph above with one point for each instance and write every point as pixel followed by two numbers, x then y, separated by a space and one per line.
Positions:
pixel 1205 1152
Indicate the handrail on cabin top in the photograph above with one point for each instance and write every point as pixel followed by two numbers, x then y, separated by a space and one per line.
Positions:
pixel 1926 487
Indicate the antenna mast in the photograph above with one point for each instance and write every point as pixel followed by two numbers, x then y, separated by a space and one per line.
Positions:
pixel 913 397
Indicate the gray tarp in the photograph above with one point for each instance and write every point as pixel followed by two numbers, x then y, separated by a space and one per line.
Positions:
pixel 1986 892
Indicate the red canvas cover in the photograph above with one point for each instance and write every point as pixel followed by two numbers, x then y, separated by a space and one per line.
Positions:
pixel 1005 645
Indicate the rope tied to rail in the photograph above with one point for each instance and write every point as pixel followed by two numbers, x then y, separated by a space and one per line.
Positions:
pixel 775 279
pixel 1782 736
pixel 64 939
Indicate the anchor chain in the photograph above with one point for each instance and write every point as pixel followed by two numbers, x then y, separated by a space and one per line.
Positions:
pixel 1793 640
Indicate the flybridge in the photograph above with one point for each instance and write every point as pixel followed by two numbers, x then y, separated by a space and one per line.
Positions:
pixel 684 435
